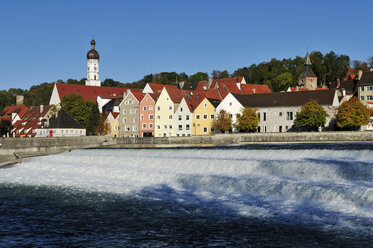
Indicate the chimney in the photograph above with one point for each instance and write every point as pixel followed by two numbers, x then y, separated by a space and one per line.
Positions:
pixel 360 73
pixel 209 82
pixel 19 99
pixel 338 83
pixel 254 90
pixel 343 92
pixel 41 108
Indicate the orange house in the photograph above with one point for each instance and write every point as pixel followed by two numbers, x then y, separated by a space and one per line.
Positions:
pixel 147 109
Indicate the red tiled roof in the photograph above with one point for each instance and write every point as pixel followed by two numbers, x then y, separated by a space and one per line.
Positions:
pixel 232 80
pixel 18 109
pixel 350 74
pixel 305 89
pixel 139 95
pixel 90 92
pixel 115 114
pixel 175 94
pixel 259 89
pixel 157 88
pixel 35 112
pixel 25 127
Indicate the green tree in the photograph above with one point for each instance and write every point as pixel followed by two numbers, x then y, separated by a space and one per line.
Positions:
pixel 199 76
pixel 352 114
pixel 223 122
pixel 311 116
pixel 82 110
pixel 282 81
pixel 248 120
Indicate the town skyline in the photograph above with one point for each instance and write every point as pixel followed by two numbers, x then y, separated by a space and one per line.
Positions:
pixel 44 44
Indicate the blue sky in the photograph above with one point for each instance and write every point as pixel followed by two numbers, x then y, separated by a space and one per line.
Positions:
pixel 43 41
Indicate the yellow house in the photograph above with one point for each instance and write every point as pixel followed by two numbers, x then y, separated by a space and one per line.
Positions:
pixel 115 127
pixel 165 107
pixel 203 117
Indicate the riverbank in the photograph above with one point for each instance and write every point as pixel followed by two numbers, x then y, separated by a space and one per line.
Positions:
pixel 14 149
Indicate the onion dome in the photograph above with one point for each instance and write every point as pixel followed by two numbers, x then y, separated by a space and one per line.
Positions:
pixel 93 54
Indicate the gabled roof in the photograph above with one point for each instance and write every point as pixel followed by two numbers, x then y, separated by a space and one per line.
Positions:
pixel 157 88
pixel 175 94
pixel 114 114
pixel 90 92
pixel 139 95
pixel 348 85
pixel 366 79
pixel 194 98
pixel 214 102
pixel 17 109
pixel 25 127
pixel 63 120
pixel 232 80
pixel 259 89
pixel 277 99
pixel 36 112
pixel 307 72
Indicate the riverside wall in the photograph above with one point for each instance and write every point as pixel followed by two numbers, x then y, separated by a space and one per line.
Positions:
pixel 21 147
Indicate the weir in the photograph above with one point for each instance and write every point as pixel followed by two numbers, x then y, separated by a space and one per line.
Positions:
pixel 11 148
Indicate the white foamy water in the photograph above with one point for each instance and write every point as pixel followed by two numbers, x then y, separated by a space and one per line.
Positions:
pixel 330 187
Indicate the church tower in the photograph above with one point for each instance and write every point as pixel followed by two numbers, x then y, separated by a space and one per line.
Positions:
pixel 92 63
pixel 308 78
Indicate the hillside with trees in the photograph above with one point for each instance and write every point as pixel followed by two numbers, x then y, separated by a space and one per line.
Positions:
pixel 277 74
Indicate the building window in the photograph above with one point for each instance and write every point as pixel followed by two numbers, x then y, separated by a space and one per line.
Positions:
pixel 264 116
pixel 124 111
pixel 187 117
pixel 181 109
pixel 158 127
pixel 150 125
pixel 158 117
pixel 180 127
pixel 230 104
pixel 369 98
pixel 150 117
pixel 124 120
pixel 128 128
pixel 212 130
pixel 165 126
pixel 205 129
pixel 180 118
pixel 129 101
pixel 289 116
pixel 170 117
pixel 134 120
pixel 362 98
pixel 362 88
pixel 212 116
pixel 158 108
pixel 136 111
pixel 170 126
pixel 144 108
pixel 141 117
pixel 197 117
pixel 205 117
pixel 187 127
pixel 369 88
pixel 280 114
pixel 131 111
pixel 134 128
pixel 144 125
pixel 205 105
pixel 126 103
pixel 150 108
pixel 170 107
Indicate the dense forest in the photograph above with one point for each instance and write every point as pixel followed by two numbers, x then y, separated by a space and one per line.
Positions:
pixel 277 74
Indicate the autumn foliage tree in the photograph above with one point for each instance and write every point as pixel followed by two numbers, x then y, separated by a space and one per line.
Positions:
pixel 352 114
pixel 311 116
pixel 223 122
pixel 103 128
pixel 247 120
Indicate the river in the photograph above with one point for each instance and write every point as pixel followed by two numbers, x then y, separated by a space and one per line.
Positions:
pixel 301 195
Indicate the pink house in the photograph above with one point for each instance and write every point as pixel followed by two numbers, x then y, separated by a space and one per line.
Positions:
pixel 147 109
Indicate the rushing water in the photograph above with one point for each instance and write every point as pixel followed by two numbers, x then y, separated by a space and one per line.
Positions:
pixel 237 196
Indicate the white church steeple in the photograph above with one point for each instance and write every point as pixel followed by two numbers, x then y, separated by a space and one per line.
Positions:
pixel 92 64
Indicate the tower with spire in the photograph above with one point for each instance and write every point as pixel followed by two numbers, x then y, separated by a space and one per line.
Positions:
pixel 92 66
pixel 308 78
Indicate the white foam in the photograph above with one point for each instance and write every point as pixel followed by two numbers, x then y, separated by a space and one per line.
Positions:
pixel 309 184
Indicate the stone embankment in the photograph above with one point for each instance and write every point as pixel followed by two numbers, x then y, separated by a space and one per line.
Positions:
pixel 12 149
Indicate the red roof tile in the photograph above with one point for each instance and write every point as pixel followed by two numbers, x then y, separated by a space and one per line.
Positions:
pixel 35 112
pixel 90 92
pixel 157 88
pixel 18 109
pixel 259 89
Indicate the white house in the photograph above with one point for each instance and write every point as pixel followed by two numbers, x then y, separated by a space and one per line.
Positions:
pixel 231 105
pixel 183 119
